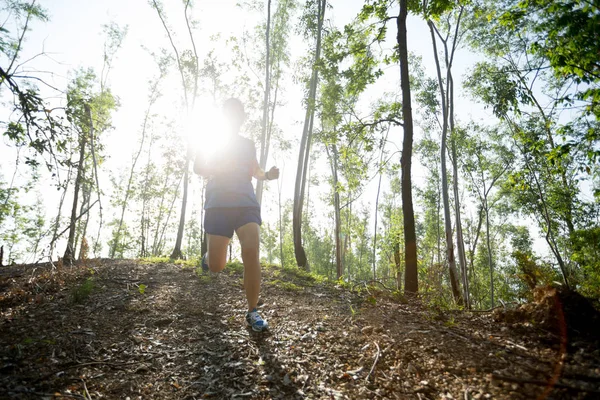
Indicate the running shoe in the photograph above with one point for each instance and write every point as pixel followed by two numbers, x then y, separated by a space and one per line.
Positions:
pixel 256 322
pixel 204 264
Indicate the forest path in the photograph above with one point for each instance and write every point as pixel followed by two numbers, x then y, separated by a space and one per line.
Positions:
pixel 159 331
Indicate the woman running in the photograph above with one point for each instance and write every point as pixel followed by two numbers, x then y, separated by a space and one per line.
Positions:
pixel 231 205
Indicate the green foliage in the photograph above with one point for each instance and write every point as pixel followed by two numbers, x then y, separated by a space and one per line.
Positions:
pixel 532 272
pixel 80 293
pixel 235 267
pixel 586 244
pixel 289 286
pixel 31 123
pixel 142 288
pixel 561 35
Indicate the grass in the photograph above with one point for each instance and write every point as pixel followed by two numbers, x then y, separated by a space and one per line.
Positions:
pixel 81 293
pixel 289 286
pixel 189 263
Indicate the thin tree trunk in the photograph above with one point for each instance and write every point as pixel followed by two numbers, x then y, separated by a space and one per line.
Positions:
pixel 86 201
pixel 176 254
pixel 411 282
pixel 68 257
pixel 189 105
pixel 489 249
pixel 377 203
pixel 168 218
pixel 375 227
pixel 456 292
pixel 460 245
pixel 155 241
pixel 82 206
pixel 336 207
pixel 304 148
pixel 132 172
pixel 398 263
pixel 263 140
pixel 347 238
pixel 281 256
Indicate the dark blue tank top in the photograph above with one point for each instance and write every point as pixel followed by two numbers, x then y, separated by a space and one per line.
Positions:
pixel 232 186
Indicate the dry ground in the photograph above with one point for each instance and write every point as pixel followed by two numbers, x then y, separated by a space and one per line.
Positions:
pixel 137 330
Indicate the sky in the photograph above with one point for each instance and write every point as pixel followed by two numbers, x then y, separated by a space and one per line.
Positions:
pixel 73 39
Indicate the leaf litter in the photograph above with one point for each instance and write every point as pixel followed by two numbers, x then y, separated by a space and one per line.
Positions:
pixel 158 331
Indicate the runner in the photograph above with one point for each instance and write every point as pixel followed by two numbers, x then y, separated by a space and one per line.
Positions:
pixel 231 205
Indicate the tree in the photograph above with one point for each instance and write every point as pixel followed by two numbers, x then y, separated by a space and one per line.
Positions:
pixel 89 112
pixel 263 139
pixel 276 57
pixel 564 36
pixel 447 103
pixel 411 283
pixel 32 121
pixel 305 141
pixel 486 163
pixel 543 182
pixel 154 94
pixel 188 65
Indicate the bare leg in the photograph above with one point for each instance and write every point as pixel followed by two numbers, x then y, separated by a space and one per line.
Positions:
pixel 217 252
pixel 249 236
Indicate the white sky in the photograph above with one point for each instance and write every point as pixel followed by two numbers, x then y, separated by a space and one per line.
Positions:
pixel 73 38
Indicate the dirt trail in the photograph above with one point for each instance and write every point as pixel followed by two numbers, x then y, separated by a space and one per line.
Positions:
pixel 158 331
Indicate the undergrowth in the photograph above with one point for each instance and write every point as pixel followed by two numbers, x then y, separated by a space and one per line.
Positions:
pixel 189 263
pixel 80 293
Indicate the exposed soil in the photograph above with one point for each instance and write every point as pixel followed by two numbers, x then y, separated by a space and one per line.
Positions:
pixel 129 329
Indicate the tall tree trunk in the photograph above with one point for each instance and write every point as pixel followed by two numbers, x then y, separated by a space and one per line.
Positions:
pixel 155 240
pixel 377 203
pixel 161 238
pixel 176 254
pixel 456 292
pixel 263 140
pixel 411 282
pixel 87 194
pixel 190 101
pixel 59 212
pixel 84 199
pixel 347 237
pixel 332 155
pixel 398 263
pixel 375 227
pixel 69 255
pixel 204 243
pixel 97 180
pixel 281 256
pixel 460 244
pixel 489 250
pixel 304 149
pixel 132 171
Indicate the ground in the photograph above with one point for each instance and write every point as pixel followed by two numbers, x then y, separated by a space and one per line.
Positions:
pixel 146 330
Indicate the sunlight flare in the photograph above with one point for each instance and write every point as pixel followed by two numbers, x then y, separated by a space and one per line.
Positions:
pixel 204 128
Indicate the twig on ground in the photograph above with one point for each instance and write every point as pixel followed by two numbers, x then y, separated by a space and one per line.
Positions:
pixel 365 283
pixel 85 390
pixel 543 383
pixel 121 297
pixel 46 395
pixel 374 362
pixel 87 364
pixel 518 346
pixel 455 334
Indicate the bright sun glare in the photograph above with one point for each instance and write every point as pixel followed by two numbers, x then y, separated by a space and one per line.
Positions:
pixel 204 128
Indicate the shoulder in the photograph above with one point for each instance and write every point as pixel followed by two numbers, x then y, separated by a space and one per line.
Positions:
pixel 246 144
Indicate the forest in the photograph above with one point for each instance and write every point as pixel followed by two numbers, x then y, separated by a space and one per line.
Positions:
pixel 432 151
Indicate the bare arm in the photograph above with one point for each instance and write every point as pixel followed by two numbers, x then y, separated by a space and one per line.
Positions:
pixel 261 175
pixel 201 167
